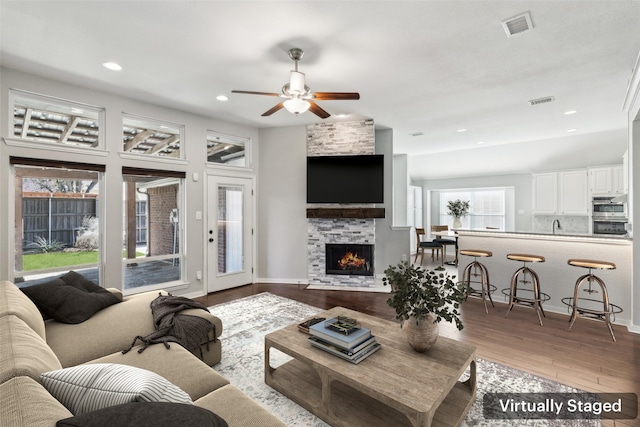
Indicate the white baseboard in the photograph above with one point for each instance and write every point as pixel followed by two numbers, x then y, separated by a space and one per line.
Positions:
pixel 350 288
pixel 285 281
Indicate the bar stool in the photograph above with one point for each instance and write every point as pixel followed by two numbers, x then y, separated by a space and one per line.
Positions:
pixel 588 307
pixel 479 270
pixel 534 298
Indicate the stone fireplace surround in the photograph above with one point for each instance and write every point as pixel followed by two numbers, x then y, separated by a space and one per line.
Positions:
pixel 341 138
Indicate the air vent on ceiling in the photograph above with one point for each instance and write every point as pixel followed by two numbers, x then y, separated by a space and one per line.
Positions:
pixel 517 25
pixel 417 134
pixel 541 100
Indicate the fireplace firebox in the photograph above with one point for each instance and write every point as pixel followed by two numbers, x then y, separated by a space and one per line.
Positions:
pixel 351 259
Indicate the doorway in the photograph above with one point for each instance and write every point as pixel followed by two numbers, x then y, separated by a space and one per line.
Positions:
pixel 229 232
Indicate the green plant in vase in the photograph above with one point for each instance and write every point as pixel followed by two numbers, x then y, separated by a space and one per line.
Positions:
pixel 458 209
pixel 422 298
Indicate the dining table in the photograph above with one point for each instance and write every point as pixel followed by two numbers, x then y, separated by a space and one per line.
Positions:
pixel 447 234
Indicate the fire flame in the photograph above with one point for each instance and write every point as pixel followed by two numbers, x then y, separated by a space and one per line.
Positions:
pixel 351 260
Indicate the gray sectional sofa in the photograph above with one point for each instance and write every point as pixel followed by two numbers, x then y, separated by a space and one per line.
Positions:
pixel 31 346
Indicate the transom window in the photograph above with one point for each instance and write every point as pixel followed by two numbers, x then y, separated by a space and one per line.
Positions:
pixel 45 119
pixel 226 150
pixel 151 137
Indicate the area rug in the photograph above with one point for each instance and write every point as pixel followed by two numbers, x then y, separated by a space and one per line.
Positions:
pixel 246 321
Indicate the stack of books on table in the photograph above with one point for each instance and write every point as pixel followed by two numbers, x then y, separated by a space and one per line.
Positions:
pixel 352 344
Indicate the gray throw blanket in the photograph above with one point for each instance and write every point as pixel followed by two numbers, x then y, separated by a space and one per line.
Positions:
pixel 172 326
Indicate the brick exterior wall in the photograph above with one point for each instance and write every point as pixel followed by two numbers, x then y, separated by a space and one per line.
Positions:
pixel 162 200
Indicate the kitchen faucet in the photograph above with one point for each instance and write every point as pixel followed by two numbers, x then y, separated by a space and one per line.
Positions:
pixel 553 226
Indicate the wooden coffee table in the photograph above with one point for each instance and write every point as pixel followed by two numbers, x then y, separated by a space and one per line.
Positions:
pixel 395 386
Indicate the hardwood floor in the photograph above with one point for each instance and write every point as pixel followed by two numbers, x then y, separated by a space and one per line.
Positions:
pixel 584 358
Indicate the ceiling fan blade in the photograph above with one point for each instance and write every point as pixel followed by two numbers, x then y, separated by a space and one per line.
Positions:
pixel 274 109
pixel 327 96
pixel 248 92
pixel 315 109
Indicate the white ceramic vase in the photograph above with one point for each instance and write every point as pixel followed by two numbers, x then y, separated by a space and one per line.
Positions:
pixel 421 337
pixel 457 223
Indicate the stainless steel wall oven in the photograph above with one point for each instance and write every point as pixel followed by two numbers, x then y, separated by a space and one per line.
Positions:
pixel 610 226
pixel 605 207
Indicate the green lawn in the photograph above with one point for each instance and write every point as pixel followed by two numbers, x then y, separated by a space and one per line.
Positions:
pixel 60 259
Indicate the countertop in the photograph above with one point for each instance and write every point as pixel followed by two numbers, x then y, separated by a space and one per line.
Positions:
pixel 601 238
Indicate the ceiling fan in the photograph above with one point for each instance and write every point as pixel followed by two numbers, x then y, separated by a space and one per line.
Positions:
pixel 299 97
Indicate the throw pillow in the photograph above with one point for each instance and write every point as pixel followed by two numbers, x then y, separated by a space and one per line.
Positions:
pixel 146 414
pixel 70 298
pixel 86 388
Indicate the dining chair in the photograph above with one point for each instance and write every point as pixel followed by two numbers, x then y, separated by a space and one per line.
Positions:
pixel 443 241
pixel 436 248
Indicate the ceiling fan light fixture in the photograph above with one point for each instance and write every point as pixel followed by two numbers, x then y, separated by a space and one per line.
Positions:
pixel 296 105
pixel 296 83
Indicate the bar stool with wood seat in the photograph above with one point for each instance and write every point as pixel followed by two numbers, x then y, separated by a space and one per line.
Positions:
pixel 600 309
pixel 479 270
pixel 532 296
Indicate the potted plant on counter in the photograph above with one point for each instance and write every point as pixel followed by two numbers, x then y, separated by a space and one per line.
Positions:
pixel 421 299
pixel 458 209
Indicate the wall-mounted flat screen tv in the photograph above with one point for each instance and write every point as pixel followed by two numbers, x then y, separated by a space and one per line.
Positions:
pixel 345 179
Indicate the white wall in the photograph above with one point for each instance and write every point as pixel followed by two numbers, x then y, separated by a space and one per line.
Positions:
pixel 194 147
pixel 391 243
pixel 282 206
pixel 400 187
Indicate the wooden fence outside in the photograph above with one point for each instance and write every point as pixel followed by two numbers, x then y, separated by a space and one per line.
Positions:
pixel 59 218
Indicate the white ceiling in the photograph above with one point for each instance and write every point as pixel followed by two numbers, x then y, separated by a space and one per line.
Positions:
pixel 429 67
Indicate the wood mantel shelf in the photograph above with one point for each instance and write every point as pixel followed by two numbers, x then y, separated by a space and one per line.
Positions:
pixel 345 213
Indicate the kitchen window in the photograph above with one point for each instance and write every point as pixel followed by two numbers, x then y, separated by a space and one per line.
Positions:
pixel 487 208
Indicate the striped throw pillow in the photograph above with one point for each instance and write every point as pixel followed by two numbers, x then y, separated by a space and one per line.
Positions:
pixel 87 388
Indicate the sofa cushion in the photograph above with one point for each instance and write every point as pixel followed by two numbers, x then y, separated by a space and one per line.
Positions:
pixel 70 298
pixel 146 414
pixel 87 388
pixel 108 331
pixel 27 403
pixel 175 363
pixel 14 301
pixel 22 351
pixel 238 409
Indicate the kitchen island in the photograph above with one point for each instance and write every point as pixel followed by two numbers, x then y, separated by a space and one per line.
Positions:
pixel 557 278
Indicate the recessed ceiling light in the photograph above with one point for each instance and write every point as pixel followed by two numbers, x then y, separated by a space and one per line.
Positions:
pixel 480 142
pixel 222 98
pixel 570 112
pixel 342 115
pixel 112 66
pixel 462 130
pixel 572 130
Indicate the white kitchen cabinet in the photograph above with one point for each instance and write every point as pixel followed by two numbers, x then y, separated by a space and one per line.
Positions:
pixel 606 180
pixel 545 193
pixel 561 193
pixel 617 180
pixel 573 190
